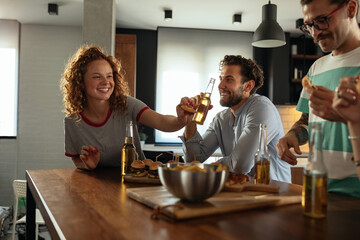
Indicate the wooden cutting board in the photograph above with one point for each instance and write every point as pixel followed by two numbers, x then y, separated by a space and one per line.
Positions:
pixel 223 202
pixel 146 179
pixel 252 187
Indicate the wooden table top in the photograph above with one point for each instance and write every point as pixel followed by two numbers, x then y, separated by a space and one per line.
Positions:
pixel 87 205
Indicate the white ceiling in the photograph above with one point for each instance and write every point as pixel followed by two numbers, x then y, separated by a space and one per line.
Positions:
pixel 149 14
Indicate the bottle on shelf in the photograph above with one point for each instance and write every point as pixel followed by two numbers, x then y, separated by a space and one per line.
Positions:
pixel 202 109
pixel 314 193
pixel 262 159
pixel 128 152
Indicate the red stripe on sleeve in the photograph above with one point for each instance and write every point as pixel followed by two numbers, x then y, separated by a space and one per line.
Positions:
pixel 72 155
pixel 141 112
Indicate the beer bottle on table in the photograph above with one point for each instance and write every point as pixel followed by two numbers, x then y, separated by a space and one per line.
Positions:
pixel 128 150
pixel 262 159
pixel 314 193
pixel 202 109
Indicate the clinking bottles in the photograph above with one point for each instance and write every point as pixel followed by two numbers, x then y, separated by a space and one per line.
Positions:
pixel 128 150
pixel 262 159
pixel 314 193
pixel 202 109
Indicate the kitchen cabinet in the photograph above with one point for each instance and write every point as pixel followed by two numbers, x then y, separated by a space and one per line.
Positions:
pixel 275 64
pixel 125 51
pixel 300 64
pixel 303 54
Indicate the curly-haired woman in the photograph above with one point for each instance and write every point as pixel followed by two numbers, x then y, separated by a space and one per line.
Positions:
pixel 97 108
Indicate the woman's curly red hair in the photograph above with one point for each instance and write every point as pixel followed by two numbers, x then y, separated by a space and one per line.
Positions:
pixel 72 81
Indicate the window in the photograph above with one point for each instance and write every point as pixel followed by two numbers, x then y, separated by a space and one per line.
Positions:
pixel 187 59
pixel 9 45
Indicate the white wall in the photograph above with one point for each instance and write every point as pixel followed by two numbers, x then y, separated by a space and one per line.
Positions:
pixel 44 51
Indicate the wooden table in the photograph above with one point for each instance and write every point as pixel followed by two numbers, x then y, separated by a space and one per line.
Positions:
pixel 79 204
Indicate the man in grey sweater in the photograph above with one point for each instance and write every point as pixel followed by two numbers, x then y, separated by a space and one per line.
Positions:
pixel 235 130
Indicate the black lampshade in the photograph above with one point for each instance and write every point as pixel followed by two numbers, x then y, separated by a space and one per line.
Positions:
pixel 269 34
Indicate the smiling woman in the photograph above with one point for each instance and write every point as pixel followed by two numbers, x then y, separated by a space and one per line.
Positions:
pixel 98 107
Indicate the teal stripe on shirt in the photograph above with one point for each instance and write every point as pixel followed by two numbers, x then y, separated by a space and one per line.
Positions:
pixel 303 105
pixel 349 186
pixel 330 141
pixel 331 79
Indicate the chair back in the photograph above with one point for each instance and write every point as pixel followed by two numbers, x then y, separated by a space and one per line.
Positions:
pixel 19 188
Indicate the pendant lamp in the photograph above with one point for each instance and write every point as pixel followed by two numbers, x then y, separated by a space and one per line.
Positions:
pixel 269 34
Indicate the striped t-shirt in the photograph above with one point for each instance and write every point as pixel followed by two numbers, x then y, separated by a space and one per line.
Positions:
pixel 337 150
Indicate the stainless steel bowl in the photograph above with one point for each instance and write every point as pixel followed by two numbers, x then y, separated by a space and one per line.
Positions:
pixel 192 186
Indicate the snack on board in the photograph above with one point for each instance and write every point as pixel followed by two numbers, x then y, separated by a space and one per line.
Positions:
pixel 307 83
pixel 147 163
pixel 187 108
pixel 195 161
pixel 236 178
pixel 153 169
pixel 138 168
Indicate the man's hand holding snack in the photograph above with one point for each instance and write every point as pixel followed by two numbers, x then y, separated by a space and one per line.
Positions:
pixel 321 100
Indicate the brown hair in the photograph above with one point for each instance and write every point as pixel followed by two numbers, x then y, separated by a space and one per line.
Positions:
pixel 249 69
pixel 337 2
pixel 72 81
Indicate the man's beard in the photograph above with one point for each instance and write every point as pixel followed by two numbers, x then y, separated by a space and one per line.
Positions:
pixel 234 99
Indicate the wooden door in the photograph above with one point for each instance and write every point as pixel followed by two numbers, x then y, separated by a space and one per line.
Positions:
pixel 125 51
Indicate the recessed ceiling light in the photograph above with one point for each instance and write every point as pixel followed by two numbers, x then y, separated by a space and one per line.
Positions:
pixel 168 15
pixel 236 19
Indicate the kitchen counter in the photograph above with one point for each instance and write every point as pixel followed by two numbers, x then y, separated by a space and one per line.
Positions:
pixel 89 205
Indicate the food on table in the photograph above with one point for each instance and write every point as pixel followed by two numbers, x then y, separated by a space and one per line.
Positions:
pixel 187 108
pixel 307 83
pixel 196 168
pixel 153 169
pixel 220 167
pixel 147 163
pixel 236 178
pixel 195 161
pixel 138 168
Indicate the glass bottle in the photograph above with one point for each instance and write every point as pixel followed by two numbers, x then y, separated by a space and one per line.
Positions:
pixel 202 109
pixel 128 150
pixel 262 159
pixel 314 193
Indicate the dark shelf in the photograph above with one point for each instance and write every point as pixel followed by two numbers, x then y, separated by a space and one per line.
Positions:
pixel 296 80
pixel 302 56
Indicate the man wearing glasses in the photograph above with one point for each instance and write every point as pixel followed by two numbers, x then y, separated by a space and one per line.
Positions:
pixel 333 26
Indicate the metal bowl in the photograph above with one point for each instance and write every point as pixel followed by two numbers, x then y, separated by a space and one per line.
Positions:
pixel 192 186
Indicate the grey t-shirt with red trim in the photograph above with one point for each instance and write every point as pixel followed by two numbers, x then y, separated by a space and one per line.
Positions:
pixel 108 137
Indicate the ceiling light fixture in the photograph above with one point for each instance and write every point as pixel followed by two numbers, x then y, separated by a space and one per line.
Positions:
pixel 53 9
pixel 168 15
pixel 236 19
pixel 269 34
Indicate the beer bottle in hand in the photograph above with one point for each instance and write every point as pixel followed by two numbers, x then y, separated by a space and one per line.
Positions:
pixel 202 109
pixel 128 150
pixel 314 193
pixel 262 159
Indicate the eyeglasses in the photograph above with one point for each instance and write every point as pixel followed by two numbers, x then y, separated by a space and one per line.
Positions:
pixel 320 23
